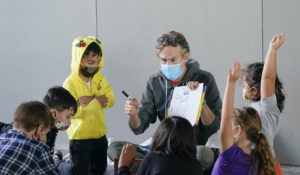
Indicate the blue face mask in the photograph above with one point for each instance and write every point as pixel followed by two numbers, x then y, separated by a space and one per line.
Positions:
pixel 172 72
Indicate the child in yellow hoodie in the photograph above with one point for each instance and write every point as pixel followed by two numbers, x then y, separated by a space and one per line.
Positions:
pixel 87 132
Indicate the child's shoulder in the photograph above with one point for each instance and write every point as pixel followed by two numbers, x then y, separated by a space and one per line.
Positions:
pixel 39 146
pixel 71 81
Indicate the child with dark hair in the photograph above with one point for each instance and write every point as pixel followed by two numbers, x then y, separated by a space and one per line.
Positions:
pixel 173 151
pixel 62 106
pixel 244 147
pixel 23 149
pixel 87 132
pixel 263 90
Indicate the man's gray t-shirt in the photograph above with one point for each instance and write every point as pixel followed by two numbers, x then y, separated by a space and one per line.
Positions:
pixel 269 114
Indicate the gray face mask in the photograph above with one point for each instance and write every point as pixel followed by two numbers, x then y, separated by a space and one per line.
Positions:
pixel 89 71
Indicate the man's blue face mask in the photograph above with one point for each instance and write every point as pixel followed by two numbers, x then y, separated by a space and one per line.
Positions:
pixel 172 72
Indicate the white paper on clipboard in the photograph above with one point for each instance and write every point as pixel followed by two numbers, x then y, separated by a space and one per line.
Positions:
pixel 185 103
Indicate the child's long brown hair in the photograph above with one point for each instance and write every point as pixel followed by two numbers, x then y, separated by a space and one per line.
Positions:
pixel 249 120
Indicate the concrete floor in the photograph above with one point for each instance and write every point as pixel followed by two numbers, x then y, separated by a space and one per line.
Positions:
pixel 212 142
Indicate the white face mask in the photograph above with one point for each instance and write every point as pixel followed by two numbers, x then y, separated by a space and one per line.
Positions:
pixel 61 125
pixel 244 95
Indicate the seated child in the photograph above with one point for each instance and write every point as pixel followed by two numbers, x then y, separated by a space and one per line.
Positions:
pixel 23 149
pixel 173 151
pixel 263 90
pixel 62 107
pixel 244 148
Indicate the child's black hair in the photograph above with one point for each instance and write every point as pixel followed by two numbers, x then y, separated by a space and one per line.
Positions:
pixel 253 75
pixel 59 98
pixel 93 48
pixel 175 136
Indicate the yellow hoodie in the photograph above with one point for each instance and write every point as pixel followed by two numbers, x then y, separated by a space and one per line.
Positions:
pixel 89 121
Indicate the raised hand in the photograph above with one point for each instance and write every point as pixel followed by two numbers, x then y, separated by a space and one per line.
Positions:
pixel 277 41
pixel 235 72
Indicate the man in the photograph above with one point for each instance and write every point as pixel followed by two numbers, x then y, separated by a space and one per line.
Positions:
pixel 177 69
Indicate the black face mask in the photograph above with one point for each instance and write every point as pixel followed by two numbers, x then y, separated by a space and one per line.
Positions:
pixel 89 71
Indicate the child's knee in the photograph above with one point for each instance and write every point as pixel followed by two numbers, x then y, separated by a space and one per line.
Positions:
pixel 206 156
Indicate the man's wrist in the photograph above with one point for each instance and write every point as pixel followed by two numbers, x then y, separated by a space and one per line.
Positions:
pixel 134 122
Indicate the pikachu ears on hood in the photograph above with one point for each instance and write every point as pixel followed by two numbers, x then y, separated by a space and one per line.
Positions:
pixel 82 43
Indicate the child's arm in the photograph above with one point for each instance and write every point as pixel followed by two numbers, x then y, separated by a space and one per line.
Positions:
pixel 85 100
pixel 45 164
pixel 270 69
pixel 106 97
pixel 227 108
pixel 103 100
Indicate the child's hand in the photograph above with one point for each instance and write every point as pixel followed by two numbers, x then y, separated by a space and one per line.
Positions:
pixel 235 73
pixel 102 100
pixel 43 137
pixel 40 134
pixel 127 155
pixel 277 41
pixel 85 100
pixel 192 85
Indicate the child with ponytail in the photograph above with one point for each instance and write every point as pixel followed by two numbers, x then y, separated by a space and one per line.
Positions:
pixel 263 90
pixel 244 147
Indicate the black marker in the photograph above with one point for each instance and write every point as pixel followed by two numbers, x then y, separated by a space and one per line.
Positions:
pixel 128 97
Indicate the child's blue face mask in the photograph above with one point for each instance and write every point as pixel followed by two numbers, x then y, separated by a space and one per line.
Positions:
pixel 172 72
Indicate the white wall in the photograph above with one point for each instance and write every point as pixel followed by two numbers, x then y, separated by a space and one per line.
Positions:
pixel 36 39
pixel 218 34
pixel 36 49
pixel 283 16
